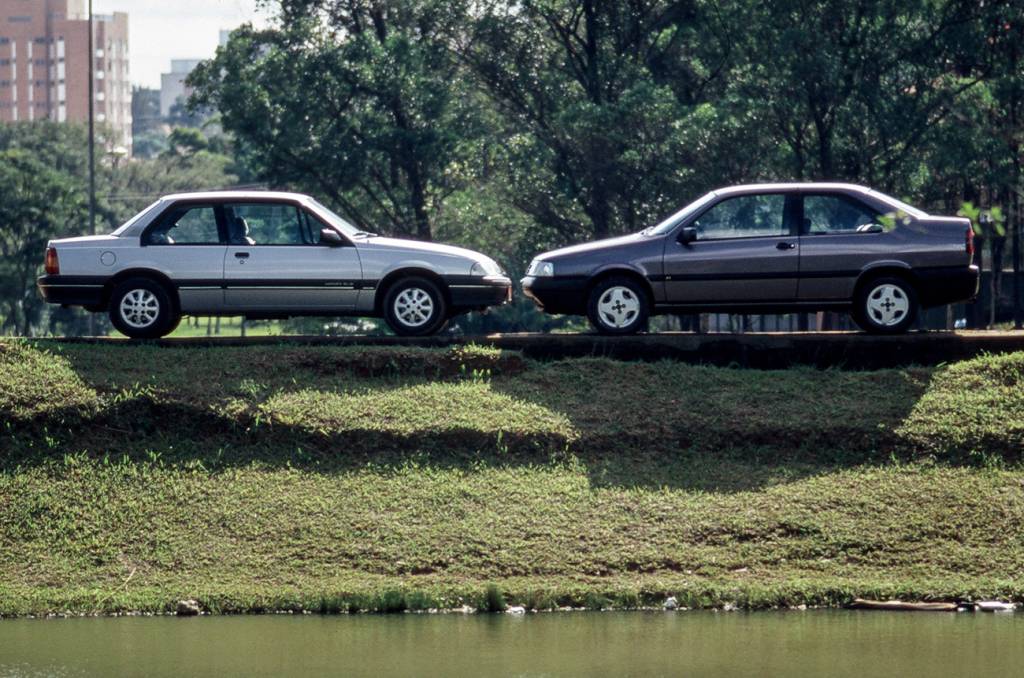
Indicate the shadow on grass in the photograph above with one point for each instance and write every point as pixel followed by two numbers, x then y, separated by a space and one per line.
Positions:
pixel 628 424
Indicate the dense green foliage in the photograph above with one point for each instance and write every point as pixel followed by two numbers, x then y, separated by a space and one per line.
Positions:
pixel 595 118
pixel 44 195
pixel 339 479
pixel 515 127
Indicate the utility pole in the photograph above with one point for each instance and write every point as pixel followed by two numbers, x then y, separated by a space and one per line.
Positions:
pixel 92 129
pixel 92 148
pixel 1015 189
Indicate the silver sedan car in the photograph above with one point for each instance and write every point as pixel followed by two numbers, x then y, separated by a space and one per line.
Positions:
pixel 769 248
pixel 263 255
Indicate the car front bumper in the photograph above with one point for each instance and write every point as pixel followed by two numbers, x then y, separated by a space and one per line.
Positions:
pixel 566 295
pixel 68 290
pixel 480 293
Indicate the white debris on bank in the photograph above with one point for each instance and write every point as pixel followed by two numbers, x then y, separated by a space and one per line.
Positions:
pixel 994 606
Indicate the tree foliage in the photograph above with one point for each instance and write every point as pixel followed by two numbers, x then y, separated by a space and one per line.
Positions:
pixel 359 102
pixel 36 201
pixel 44 195
pixel 517 126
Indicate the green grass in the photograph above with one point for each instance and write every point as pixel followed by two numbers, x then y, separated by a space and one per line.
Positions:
pixel 341 479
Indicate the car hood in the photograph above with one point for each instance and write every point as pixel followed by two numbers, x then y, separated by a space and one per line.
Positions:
pixel 419 246
pixel 595 246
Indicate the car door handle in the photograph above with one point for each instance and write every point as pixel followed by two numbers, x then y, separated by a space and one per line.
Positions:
pixel 786 246
pixel 241 255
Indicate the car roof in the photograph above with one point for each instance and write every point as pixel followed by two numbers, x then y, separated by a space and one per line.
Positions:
pixel 236 195
pixel 792 186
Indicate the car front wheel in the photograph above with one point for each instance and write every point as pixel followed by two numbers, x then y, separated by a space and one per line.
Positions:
pixel 142 309
pixel 415 307
pixel 618 305
pixel 885 306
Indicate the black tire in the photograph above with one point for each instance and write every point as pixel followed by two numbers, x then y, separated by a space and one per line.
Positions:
pixel 885 305
pixel 150 313
pixel 417 292
pixel 629 310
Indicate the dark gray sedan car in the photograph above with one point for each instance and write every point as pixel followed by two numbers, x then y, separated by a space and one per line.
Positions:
pixel 771 248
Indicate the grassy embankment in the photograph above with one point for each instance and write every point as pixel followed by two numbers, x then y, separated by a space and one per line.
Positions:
pixel 342 478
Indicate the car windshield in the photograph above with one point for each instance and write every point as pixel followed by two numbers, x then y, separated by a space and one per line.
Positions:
pixel 134 220
pixel 334 220
pixel 670 223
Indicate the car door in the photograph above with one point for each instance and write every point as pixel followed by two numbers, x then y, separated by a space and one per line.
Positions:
pixel 745 251
pixel 187 243
pixel 275 261
pixel 839 235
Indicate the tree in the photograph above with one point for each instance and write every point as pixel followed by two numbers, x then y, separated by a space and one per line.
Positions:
pixel 853 91
pixel 359 102
pixel 598 102
pixel 42 196
pixel 36 201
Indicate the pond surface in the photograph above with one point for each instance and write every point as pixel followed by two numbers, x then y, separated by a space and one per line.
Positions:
pixel 813 643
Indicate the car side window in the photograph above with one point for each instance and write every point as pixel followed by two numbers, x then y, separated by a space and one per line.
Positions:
pixel 311 227
pixel 837 214
pixel 186 225
pixel 266 223
pixel 744 216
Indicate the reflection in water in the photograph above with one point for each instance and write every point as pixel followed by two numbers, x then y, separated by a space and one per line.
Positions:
pixel 579 644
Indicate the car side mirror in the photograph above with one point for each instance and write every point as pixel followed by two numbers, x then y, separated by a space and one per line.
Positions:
pixel 687 235
pixel 331 238
pixel 871 228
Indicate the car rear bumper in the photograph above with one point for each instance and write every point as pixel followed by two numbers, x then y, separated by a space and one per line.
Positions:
pixel 948 285
pixel 68 290
pixel 480 293
pixel 557 295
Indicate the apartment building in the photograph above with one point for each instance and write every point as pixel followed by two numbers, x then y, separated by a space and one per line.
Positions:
pixel 44 52
pixel 173 89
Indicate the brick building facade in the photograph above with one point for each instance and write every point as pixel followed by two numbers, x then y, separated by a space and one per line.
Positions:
pixel 44 47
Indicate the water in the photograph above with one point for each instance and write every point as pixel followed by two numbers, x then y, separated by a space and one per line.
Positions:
pixel 813 643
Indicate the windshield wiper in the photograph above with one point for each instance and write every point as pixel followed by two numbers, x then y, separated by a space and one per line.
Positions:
pixel 365 234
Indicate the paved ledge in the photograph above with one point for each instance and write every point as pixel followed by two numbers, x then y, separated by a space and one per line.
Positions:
pixel 848 350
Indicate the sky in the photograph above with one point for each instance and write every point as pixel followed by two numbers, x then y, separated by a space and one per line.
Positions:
pixel 161 30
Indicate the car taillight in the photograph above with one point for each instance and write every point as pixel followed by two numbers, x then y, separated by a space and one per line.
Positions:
pixel 52 265
pixel 970 241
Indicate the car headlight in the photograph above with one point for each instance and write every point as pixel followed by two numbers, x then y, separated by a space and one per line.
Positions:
pixel 541 269
pixel 485 267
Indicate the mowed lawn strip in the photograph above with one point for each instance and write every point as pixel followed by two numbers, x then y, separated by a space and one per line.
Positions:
pixel 335 479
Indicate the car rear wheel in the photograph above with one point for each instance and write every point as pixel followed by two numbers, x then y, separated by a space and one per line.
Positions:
pixel 415 307
pixel 143 309
pixel 618 305
pixel 885 306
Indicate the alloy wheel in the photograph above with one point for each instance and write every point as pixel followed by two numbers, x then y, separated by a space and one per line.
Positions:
pixel 888 305
pixel 618 307
pixel 414 307
pixel 140 308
